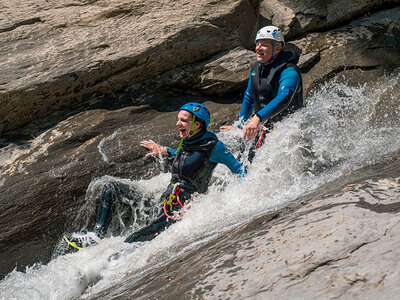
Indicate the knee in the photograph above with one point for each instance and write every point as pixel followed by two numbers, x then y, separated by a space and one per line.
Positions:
pixel 110 193
pixel 110 187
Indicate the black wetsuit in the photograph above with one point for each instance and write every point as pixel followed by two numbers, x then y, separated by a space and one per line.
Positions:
pixel 192 168
pixel 274 90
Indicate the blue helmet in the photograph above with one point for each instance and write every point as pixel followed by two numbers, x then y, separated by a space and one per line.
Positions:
pixel 199 110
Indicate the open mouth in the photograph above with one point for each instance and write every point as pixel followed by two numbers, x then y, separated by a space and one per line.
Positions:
pixel 182 132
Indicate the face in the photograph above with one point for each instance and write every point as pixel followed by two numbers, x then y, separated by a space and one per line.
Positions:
pixel 264 50
pixel 184 123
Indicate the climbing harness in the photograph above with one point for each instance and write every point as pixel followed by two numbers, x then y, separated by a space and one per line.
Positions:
pixel 261 140
pixel 172 201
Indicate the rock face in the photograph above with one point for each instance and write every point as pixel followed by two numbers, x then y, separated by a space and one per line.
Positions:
pixel 359 45
pixel 343 246
pixel 82 55
pixel 59 58
pixel 298 17
pixel 56 57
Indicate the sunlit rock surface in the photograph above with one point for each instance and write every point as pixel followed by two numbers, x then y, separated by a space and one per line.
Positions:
pixel 297 17
pixel 59 61
pixel 56 57
pixel 81 54
pixel 344 246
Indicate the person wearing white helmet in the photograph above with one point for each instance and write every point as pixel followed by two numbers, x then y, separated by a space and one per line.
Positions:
pixel 274 88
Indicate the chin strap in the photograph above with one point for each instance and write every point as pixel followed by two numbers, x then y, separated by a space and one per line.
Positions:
pixel 273 49
pixel 273 56
pixel 191 133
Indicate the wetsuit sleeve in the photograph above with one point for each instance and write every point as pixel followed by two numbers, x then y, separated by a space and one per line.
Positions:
pixel 247 104
pixel 171 152
pixel 288 82
pixel 222 155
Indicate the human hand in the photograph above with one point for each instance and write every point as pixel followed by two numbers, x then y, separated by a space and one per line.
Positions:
pixel 227 128
pixel 250 131
pixel 155 148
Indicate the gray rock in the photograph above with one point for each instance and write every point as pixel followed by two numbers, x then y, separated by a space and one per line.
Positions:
pixel 367 44
pixel 297 17
pixel 58 58
pixel 342 246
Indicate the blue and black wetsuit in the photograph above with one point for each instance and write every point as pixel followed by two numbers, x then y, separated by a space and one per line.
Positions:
pixel 273 91
pixel 192 169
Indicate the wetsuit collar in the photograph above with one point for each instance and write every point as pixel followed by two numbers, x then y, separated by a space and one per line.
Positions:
pixel 195 137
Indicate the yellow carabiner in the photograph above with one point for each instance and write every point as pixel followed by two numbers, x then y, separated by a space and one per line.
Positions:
pixel 169 201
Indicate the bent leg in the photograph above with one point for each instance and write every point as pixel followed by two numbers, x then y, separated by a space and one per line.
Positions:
pixel 106 208
pixel 150 231
pixel 161 221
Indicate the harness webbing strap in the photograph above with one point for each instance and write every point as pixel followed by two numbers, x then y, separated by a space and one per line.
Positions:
pixel 174 195
pixel 261 140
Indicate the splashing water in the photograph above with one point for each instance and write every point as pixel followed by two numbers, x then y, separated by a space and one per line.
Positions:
pixel 342 129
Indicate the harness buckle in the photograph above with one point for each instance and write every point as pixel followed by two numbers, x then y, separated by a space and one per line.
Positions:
pixel 175 192
pixel 174 195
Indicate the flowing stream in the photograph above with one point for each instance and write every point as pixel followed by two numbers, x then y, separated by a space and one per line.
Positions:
pixel 342 130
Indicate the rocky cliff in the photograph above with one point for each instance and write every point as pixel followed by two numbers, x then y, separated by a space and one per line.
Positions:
pixel 76 71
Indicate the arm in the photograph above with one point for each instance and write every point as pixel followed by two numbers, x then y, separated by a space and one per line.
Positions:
pixel 222 155
pixel 157 149
pixel 289 81
pixel 247 105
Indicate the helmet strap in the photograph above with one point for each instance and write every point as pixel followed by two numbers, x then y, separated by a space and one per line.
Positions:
pixel 273 56
pixel 191 133
pixel 273 49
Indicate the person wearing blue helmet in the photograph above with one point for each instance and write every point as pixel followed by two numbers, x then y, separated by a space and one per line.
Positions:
pixel 193 163
pixel 274 88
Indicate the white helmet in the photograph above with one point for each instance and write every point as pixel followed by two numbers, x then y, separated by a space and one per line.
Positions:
pixel 272 33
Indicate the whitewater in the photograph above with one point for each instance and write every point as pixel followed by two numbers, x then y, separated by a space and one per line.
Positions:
pixel 343 129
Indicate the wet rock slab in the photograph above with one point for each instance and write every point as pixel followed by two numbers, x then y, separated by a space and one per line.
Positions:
pixel 58 57
pixel 344 246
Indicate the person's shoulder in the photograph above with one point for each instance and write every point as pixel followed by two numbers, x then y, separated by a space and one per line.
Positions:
pixel 210 135
pixel 291 57
pixel 291 70
pixel 255 66
pixel 207 139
